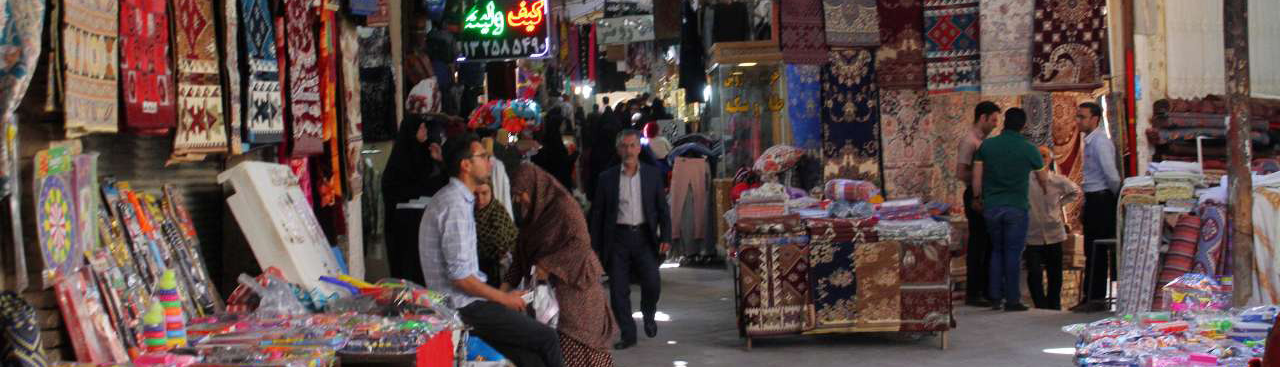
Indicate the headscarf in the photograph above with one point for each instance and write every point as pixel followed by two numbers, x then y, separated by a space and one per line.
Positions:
pixel 495 231
pixel 554 156
pixel 409 171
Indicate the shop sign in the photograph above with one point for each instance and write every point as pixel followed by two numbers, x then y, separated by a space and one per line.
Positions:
pixel 505 29
pixel 622 30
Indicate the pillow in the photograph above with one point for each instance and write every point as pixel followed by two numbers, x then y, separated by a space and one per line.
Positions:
pixel 778 158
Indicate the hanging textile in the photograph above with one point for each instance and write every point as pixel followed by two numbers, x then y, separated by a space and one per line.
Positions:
pixel 1195 30
pixel 951 116
pixel 850 117
pixel 802 35
pixel 380 17
pixel 1039 108
pixel 900 59
pixel 803 105
pixel 851 23
pixel 775 283
pixel 1180 258
pixel 146 76
pixel 1069 45
pixel 1142 228
pixel 1266 238
pixel 879 301
pixel 1264 76
pixel 56 213
pixel 349 44
pixel 951 35
pixel 306 130
pixel 907 138
pixel 263 112
pixel 20 32
pixel 693 64
pixel 231 58
pixel 926 293
pixel 201 128
pixel 834 285
pixel 89 62
pixel 377 85
pixel 330 175
pixel 1211 246
pixel 1006 46
pixel 1068 147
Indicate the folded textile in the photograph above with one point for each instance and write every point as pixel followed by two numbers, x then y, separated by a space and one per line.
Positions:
pixel 1182 249
pixel 921 229
pixel 1177 177
pixel 1173 166
pixel 1185 120
pixel 1138 190
pixel 810 213
pixel 1180 205
pixel 850 190
pixel 902 209
pixel 774 239
pixel 761 210
pixel 767 193
pixel 842 230
pixel 1138 199
pixel 1174 191
pixel 1136 181
pixel 858 210
pixel 779 224
pixel 1165 136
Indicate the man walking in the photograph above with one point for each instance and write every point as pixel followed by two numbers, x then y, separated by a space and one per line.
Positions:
pixel 447 243
pixel 1001 176
pixel 978 256
pixel 1101 183
pixel 630 224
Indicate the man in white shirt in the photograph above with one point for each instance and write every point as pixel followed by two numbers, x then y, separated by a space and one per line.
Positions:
pixel 1101 184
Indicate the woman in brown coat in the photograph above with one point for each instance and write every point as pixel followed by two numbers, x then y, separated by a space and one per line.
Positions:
pixel 554 237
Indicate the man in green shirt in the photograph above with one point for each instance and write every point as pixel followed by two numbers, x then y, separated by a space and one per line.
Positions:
pixel 1001 176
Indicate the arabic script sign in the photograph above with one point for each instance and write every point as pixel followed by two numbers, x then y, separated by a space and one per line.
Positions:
pixel 505 29
pixel 620 30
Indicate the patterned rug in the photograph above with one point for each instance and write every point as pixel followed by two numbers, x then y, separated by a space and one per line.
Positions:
pixel 907 136
pixel 263 113
pixel 851 23
pixel 307 126
pixel 1213 233
pixel 20 32
pixel 879 303
pixel 147 77
pixel 804 98
pixel 1068 148
pixel 951 35
pixel 802 34
pixel 1039 107
pixel 1140 258
pixel 952 117
pixel 89 66
pixel 1006 46
pixel 834 285
pixel 1069 45
pixel 850 117
pixel 926 293
pixel 900 59
pixel 775 285
pixel 201 128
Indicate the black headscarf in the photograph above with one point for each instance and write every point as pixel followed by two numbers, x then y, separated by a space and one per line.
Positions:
pixel 554 156
pixel 410 171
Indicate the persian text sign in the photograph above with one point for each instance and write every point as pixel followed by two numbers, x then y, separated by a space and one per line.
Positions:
pixel 620 30
pixel 505 29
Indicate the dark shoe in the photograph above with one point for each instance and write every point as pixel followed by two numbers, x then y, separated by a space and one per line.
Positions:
pixel 624 344
pixel 650 328
pixel 978 303
pixel 995 305
pixel 1016 307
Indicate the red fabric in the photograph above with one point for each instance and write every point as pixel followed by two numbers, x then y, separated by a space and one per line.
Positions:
pixel 145 71
pixel 738 189
pixel 438 351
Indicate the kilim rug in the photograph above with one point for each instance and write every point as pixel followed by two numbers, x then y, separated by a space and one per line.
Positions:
pixel 850 117
pixel 1069 45
pixel 306 130
pixel 146 75
pixel 907 136
pixel 851 23
pixel 20 345
pixel 90 61
pixel 900 59
pixel 235 90
pixel 775 285
pixel 1005 42
pixel 57 225
pixel 263 115
pixel 802 33
pixel 201 122
pixel 951 34
pixel 804 105
pixel 20 32
pixel 879 302
pixel 834 285
pixel 349 44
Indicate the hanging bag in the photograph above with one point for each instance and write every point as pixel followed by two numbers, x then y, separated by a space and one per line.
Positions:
pixel 542 299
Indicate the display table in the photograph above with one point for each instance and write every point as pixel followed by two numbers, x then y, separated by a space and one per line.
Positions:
pixel 819 276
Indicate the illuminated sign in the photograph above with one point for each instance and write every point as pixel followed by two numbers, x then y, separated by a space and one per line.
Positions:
pixel 505 29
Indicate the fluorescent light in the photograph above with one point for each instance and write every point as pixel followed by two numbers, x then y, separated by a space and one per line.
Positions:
pixel 1062 351
pixel 747 64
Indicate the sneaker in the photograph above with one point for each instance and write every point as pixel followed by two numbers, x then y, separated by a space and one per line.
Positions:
pixel 1015 307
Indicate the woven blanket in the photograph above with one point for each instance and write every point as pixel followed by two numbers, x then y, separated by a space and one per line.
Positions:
pixel 951 115
pixel 1069 45
pixel 1140 258
pixel 850 190
pixel 306 132
pixel 804 105
pixel 841 230
pixel 20 32
pixel 834 284
pixel 850 117
pixel 1005 42
pixel 773 225
pixel 90 61
pixel 1182 249
pixel 201 121
pixel 900 59
pixel 951 35
pixel 775 288
pixel 145 71
pixel 851 23
pixel 263 116
pixel 802 35
pixel 926 294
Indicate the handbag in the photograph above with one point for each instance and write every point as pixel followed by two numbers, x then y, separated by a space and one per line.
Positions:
pixel 541 297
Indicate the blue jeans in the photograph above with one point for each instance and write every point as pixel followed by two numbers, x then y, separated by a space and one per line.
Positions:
pixel 1007 227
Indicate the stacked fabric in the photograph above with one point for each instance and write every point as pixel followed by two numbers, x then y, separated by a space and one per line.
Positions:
pixel 918 229
pixel 768 200
pixel 903 209
pixel 842 230
pixel 1177 123
pixel 1174 191
pixel 1139 185
pixel 845 209
pixel 762 210
pixel 1182 252
pixel 850 190
pixel 773 261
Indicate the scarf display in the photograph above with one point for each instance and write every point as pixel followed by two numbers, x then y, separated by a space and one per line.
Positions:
pixel 907 138
pixel 851 23
pixel 850 117
pixel 201 128
pixel 330 183
pixel 90 63
pixel 1006 46
pixel 900 59
pixel 804 108
pixel 1140 258
pixel 802 34
pixel 264 118
pixel 145 71
pixel 951 51
pixel 377 93
pixel 1069 43
pixel 306 133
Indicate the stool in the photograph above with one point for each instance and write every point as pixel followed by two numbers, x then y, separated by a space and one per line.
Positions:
pixel 1108 300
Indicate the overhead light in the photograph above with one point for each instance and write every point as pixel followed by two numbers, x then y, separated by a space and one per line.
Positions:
pixel 706 93
pixel 747 64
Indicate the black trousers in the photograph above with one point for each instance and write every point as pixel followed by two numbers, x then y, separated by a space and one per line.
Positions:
pixel 632 257
pixel 978 255
pixel 520 338
pixel 1099 224
pixel 1039 259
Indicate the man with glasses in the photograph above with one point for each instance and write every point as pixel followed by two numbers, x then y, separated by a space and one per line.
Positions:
pixel 1101 183
pixel 447 246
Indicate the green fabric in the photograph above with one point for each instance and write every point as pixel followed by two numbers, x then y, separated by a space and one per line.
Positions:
pixel 1007 162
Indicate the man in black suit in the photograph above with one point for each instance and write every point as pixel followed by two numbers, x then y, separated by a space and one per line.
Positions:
pixel 630 225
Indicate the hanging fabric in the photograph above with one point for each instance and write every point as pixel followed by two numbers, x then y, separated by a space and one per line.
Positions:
pixel 900 59
pixel 1006 46
pixel 1069 45
pixel 804 105
pixel 802 34
pixel 330 175
pixel 306 130
pixel 235 90
pixel 89 66
pixel 146 75
pixel 952 61
pixel 851 23
pixel 349 44
pixel 906 135
pixel 263 113
pixel 850 117
pixel 201 128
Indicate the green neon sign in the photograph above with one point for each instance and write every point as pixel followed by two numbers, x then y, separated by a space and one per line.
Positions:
pixel 490 23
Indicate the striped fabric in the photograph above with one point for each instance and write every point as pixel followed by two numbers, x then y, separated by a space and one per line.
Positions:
pixel 20 344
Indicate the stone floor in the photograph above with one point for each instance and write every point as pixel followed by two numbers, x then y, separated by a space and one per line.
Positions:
pixel 701 331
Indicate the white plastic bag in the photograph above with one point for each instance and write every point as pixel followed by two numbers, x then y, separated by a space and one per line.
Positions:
pixel 542 300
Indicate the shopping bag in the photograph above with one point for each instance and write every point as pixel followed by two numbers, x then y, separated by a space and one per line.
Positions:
pixel 541 297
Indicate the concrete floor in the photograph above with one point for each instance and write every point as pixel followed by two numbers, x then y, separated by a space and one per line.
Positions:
pixel 702 332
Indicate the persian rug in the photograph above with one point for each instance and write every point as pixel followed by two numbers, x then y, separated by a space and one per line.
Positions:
pixel 951 115
pixel 1068 148
pixel 926 308
pixel 925 262
pixel 1005 46
pixel 850 117
pixel 775 286
pixel 263 116
pixel 1069 45
pixel 349 44
pixel 201 122
pixel 90 62
pixel 1211 245
pixel 57 225
pixel 802 34
pixel 21 26
pixel 1039 108
pixel 834 285
pixel 879 303
pixel 804 111
pixel 851 23
pixel 1140 258
pixel 900 59
pixel 145 72
pixel 1266 232
pixel 951 51
pixel 306 130
pixel 907 137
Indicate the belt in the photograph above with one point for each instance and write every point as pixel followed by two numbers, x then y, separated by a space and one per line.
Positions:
pixel 628 227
